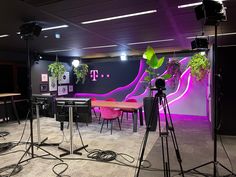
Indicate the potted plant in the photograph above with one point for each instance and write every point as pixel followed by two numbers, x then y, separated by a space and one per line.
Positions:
pixel 199 65
pixel 56 69
pixel 81 71
pixel 153 64
pixel 173 68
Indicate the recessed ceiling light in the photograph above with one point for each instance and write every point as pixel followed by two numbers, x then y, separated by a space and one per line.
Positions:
pixel 59 50
pixel 146 42
pixel 55 27
pixel 4 35
pixel 189 5
pixel 99 47
pixel 123 56
pixel 119 17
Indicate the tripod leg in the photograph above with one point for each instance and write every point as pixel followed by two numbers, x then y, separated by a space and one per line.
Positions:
pixel 172 132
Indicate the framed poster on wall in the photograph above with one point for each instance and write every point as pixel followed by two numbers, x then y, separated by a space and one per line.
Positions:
pixel 62 90
pixel 43 87
pixel 44 77
pixel 65 79
pixel 52 84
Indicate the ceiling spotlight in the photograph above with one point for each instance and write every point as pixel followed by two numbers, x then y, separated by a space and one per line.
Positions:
pixel 75 63
pixel 57 36
pixel 203 53
pixel 123 57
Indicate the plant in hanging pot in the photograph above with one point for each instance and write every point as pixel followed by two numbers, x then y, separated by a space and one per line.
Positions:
pixel 56 69
pixel 81 72
pixel 153 64
pixel 199 65
pixel 173 68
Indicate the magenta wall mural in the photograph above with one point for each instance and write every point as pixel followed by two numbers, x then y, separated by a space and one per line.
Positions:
pixel 188 98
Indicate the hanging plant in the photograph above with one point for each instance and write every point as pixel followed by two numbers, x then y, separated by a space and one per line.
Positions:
pixel 173 68
pixel 199 65
pixel 81 72
pixel 57 69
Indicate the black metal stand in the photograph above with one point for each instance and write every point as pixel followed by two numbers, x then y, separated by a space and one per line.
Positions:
pixel 32 144
pixel 41 142
pixel 71 150
pixel 215 108
pixel 160 98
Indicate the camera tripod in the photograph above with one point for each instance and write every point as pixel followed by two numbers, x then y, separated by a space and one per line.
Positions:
pixel 160 98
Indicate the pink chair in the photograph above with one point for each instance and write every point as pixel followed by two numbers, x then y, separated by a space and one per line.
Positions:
pixel 109 114
pixel 127 111
pixel 110 99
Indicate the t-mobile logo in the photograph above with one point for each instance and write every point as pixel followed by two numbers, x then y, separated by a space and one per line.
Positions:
pixel 94 75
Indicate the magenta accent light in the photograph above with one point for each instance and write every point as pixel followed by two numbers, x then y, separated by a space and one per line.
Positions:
pixel 141 66
pixel 108 75
pixel 185 91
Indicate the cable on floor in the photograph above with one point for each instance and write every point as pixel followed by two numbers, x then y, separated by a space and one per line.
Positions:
pixel 5 147
pixel 4 171
pixel 63 167
pixel 3 134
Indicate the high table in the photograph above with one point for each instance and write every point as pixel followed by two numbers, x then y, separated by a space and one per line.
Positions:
pixel 11 95
pixel 119 104
pixel 71 103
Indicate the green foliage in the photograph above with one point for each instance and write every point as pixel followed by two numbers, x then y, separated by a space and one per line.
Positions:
pixel 153 64
pixel 81 72
pixel 56 69
pixel 199 65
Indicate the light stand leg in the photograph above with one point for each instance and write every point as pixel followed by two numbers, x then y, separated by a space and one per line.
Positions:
pixel 38 124
pixel 71 128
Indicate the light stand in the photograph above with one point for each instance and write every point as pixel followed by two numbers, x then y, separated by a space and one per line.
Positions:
pixel 32 144
pixel 215 162
pixel 160 98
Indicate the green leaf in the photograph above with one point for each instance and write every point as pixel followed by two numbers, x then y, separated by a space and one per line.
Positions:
pixel 160 62
pixel 153 63
pixel 166 76
pixel 147 78
pixel 149 53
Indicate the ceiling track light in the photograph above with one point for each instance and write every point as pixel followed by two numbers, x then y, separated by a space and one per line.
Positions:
pixel 147 42
pixel 99 47
pixel 119 17
pixel 59 50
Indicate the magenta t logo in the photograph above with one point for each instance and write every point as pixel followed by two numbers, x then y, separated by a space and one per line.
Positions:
pixel 94 75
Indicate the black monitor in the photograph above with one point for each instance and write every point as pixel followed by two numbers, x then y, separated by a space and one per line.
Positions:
pixel 46 104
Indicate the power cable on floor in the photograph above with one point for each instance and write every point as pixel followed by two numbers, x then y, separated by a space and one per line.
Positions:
pixel 62 170
pixel 4 171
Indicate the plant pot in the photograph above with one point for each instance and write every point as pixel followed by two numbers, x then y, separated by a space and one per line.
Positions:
pixel 148 102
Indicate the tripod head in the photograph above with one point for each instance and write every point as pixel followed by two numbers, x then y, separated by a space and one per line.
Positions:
pixel 159 87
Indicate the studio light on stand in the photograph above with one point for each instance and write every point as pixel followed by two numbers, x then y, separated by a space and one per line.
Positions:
pixel 213 12
pixel 27 32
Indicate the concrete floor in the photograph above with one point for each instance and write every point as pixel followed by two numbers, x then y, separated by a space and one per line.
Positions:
pixel 193 137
